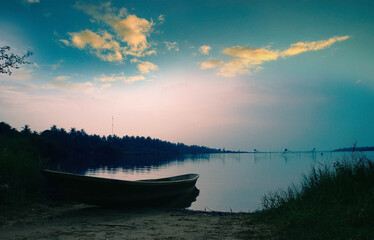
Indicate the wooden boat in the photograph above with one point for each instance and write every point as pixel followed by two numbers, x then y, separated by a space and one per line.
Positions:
pixel 104 191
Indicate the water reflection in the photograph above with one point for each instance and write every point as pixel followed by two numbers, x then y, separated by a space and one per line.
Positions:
pixel 261 156
pixel 228 181
pixel 132 163
pixel 141 172
pixel 182 201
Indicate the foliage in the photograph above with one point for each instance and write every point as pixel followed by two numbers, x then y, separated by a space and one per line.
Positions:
pixel 20 163
pixel 10 60
pixel 333 202
pixel 76 149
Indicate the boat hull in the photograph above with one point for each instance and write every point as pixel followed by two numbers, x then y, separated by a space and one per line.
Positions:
pixel 113 192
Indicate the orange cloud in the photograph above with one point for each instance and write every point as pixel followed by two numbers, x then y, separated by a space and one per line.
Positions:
pixel 135 78
pixel 161 19
pixel 150 52
pixel 129 37
pixel 205 49
pixel 103 46
pixel 211 63
pixel 234 67
pixel 255 55
pixel 172 45
pixel 247 59
pixel 82 38
pixel 301 47
pixel 133 31
pixel 146 67
pixel 120 77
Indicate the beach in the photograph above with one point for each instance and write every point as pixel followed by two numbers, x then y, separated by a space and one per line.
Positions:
pixel 80 221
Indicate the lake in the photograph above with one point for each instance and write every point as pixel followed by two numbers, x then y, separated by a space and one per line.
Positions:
pixel 231 182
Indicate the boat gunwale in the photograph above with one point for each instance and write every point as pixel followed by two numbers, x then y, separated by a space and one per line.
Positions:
pixel 159 181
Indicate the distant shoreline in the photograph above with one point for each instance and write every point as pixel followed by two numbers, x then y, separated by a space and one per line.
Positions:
pixel 323 151
pixel 355 149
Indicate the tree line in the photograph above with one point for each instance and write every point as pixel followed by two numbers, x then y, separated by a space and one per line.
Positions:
pixel 77 149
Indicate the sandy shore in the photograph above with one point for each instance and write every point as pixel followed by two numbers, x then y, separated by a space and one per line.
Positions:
pixel 86 222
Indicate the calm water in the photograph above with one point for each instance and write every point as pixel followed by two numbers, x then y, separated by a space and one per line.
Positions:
pixel 231 182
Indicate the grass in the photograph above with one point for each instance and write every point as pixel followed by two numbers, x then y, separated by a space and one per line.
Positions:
pixel 332 202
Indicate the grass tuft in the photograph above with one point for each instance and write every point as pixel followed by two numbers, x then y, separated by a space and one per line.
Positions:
pixel 332 202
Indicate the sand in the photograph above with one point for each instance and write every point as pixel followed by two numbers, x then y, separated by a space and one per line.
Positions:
pixel 86 222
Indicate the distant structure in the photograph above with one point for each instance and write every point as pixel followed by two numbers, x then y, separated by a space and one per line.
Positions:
pixel 255 150
pixel 286 150
pixel 112 124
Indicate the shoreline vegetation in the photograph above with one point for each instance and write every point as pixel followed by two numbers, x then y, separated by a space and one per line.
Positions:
pixel 332 202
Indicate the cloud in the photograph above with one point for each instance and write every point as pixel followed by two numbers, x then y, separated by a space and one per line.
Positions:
pixel 87 37
pixel 134 60
pixel 205 49
pixel 235 67
pixel 110 57
pixel 111 78
pixel 148 53
pixel 60 82
pixel 135 78
pixel 255 55
pixel 64 41
pixel 61 78
pixel 102 45
pixel 161 18
pixel 134 31
pixel 211 63
pixel 57 65
pixel 33 1
pixel 172 45
pixel 146 67
pixel 130 29
pixel 128 35
pixel 301 47
pixel 246 59
pixel 120 77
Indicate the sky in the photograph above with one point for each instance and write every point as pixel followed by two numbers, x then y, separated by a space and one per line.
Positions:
pixel 225 74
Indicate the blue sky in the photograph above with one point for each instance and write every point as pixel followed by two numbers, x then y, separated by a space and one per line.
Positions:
pixel 225 74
